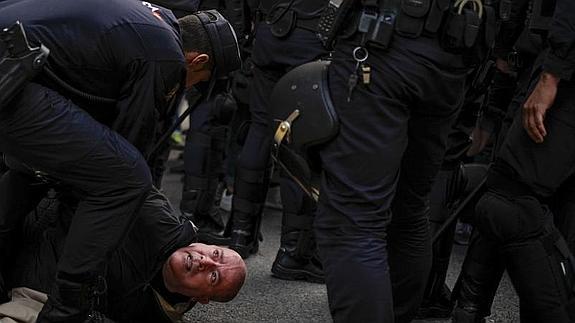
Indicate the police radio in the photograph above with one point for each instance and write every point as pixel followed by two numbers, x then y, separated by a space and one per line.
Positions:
pixel 329 23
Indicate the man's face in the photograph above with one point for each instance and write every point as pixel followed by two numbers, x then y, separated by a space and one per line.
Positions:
pixel 198 68
pixel 203 272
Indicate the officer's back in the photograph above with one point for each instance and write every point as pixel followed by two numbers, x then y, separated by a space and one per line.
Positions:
pixel 94 49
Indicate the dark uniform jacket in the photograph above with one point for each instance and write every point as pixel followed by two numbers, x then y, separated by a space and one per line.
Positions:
pixel 559 39
pixel 132 53
pixel 133 278
pixel 560 59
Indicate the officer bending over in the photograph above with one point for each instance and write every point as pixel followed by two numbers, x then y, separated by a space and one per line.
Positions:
pixel 129 51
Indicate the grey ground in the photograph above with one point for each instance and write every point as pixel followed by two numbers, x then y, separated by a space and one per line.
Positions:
pixel 267 299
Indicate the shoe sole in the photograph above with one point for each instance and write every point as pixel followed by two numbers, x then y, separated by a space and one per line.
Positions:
pixel 433 313
pixel 278 271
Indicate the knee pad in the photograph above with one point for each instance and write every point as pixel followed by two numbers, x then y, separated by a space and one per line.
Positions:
pixel 509 219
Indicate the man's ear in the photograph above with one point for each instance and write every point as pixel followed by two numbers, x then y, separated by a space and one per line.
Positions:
pixel 200 59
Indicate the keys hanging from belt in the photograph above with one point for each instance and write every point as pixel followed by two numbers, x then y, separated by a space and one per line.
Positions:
pixel 366 74
pixel 360 55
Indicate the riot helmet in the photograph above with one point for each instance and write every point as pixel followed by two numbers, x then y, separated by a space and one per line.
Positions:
pixel 302 99
pixel 224 42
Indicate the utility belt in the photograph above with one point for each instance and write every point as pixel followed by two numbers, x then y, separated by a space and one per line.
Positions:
pixel 283 18
pixel 459 24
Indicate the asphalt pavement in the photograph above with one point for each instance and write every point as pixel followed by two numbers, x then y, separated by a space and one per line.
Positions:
pixel 267 299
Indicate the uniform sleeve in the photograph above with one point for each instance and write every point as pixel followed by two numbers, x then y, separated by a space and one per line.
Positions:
pixel 560 60
pixel 154 73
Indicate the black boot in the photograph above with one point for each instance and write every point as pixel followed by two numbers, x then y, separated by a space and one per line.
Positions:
pixel 478 281
pixel 297 257
pixel 218 239
pixel 289 267
pixel 200 204
pixel 215 215
pixel 467 315
pixel 72 302
pixel 438 306
pixel 245 231
pixel 250 190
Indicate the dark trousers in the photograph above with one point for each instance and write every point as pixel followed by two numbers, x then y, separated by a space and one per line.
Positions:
pixel 205 146
pixel 537 170
pixel 48 133
pixel 372 223
pixel 272 58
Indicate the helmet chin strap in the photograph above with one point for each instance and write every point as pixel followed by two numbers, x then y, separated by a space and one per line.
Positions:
pixel 213 80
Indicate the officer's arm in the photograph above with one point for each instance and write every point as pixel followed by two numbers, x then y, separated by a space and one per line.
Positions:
pixel 154 67
pixel 144 111
pixel 559 64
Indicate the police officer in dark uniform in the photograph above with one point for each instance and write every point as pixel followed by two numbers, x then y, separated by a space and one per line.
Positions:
pixel 206 140
pixel 514 51
pixel 204 150
pixel 495 81
pixel 397 85
pixel 285 37
pixel 129 51
pixel 533 165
